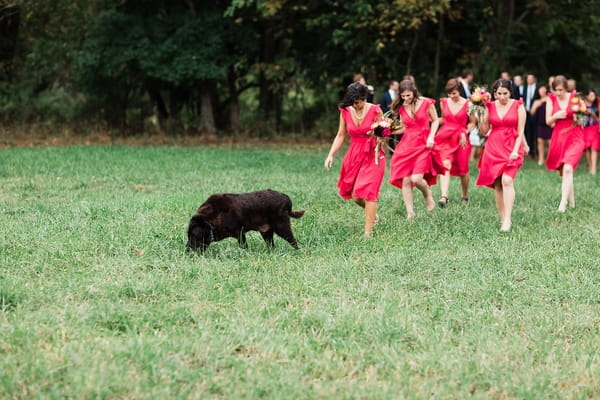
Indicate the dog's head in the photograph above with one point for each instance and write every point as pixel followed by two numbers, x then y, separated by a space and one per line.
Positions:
pixel 200 234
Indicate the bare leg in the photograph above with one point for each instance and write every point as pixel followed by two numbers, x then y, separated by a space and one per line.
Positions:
pixel 508 191
pixel 407 195
pixel 587 158
pixel 464 186
pixel 593 161
pixel 499 195
pixel 567 193
pixel 540 142
pixel 422 185
pixel 359 201
pixel 472 155
pixel 370 214
pixel 445 184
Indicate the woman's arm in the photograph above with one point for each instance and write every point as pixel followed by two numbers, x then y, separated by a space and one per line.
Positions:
pixel 435 124
pixel 522 114
pixel 337 143
pixel 484 123
pixel 536 104
pixel 551 119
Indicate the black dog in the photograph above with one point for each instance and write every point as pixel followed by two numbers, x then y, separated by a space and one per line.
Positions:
pixel 232 215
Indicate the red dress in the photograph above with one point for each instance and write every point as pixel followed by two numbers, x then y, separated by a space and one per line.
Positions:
pixel 568 142
pixel 411 156
pixel 495 160
pixel 360 176
pixel 448 136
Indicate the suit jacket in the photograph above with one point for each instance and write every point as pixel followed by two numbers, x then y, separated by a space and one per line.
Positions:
pixel 386 101
pixel 525 96
pixel 463 93
pixel 517 92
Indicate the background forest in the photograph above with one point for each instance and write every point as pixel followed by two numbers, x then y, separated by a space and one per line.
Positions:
pixel 264 67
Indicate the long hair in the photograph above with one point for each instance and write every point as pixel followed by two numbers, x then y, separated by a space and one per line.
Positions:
pixel 502 83
pixel 405 85
pixel 354 91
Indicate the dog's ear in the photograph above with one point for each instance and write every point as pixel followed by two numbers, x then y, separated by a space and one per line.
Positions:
pixel 216 204
pixel 199 233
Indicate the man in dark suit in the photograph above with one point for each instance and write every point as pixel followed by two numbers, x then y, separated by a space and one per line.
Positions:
pixel 530 94
pixel 517 87
pixel 465 79
pixel 389 96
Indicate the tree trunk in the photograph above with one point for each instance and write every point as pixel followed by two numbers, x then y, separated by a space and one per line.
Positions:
pixel 438 47
pixel 266 96
pixel 206 113
pixel 411 54
pixel 234 103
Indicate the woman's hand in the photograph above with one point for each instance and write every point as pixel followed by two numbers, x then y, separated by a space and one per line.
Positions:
pixel 559 115
pixel 430 142
pixel 525 147
pixel 514 155
pixel 462 141
pixel 328 162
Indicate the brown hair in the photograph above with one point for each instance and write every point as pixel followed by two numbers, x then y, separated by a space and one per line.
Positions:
pixel 452 85
pixel 559 80
pixel 405 85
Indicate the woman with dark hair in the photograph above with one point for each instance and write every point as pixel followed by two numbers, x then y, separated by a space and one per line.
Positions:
pixel 503 124
pixel 568 142
pixel 543 131
pixel 590 131
pixel 414 162
pixel 360 176
pixel 452 143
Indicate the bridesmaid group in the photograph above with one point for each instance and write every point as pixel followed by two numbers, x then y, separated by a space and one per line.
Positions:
pixel 435 146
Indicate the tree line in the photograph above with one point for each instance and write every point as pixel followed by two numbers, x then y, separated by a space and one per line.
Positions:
pixel 266 66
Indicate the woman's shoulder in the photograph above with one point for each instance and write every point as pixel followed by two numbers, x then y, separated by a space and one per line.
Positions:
pixel 427 100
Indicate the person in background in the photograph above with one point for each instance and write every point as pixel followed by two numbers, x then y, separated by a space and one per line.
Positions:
pixel 409 78
pixel 590 131
pixel 543 131
pixel 415 163
pixel 571 85
pixel 550 80
pixel 505 75
pixel 517 91
pixel 370 90
pixel 503 123
pixel 530 94
pixel 386 101
pixel 360 175
pixel 451 141
pixel 465 79
pixel 568 143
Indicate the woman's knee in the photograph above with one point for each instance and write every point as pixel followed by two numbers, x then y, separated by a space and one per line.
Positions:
pixel 567 169
pixel 415 179
pixel 507 181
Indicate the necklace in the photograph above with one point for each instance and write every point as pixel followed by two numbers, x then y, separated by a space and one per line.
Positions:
pixel 355 113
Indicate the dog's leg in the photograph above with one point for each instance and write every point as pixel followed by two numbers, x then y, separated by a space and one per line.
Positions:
pixel 242 239
pixel 268 237
pixel 284 230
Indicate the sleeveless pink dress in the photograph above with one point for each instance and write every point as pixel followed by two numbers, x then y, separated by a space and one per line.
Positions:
pixel 448 136
pixel 411 155
pixel 591 131
pixel 495 160
pixel 360 176
pixel 568 141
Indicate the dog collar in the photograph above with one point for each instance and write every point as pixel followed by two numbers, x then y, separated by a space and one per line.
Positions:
pixel 212 233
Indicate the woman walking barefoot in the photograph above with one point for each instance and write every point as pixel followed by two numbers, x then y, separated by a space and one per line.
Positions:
pixel 567 143
pixel 544 132
pixel 414 162
pixel 503 123
pixel 452 143
pixel 360 176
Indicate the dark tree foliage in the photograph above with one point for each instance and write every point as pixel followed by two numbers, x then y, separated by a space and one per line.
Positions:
pixel 264 66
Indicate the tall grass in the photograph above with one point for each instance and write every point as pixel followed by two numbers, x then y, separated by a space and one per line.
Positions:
pixel 99 300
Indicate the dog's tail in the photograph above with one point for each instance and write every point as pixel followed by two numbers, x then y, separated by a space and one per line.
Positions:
pixel 297 214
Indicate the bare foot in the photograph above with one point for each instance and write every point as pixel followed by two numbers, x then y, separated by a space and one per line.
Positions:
pixel 562 208
pixel 410 215
pixel 368 234
pixel 376 221
pixel 505 226
pixel 430 201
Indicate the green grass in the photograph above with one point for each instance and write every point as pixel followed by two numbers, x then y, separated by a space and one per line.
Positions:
pixel 99 300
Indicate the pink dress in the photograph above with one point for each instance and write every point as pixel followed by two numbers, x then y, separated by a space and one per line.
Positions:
pixel 568 142
pixel 495 160
pixel 448 136
pixel 360 176
pixel 411 156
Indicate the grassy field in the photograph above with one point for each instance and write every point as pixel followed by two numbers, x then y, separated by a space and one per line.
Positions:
pixel 99 300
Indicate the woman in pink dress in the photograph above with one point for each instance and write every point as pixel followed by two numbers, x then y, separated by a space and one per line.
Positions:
pixel 590 131
pixel 452 143
pixel 361 174
pixel 503 124
pixel 414 162
pixel 568 142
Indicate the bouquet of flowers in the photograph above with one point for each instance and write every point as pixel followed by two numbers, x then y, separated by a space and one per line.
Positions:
pixel 384 129
pixel 479 98
pixel 580 112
